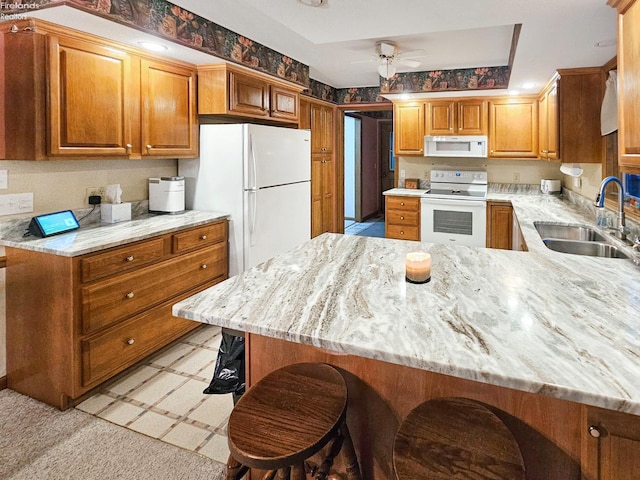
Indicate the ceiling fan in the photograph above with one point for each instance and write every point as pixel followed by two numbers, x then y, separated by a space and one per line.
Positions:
pixel 389 58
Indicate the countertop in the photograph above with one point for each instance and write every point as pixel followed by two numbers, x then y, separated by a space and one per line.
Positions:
pixel 406 192
pixel 98 236
pixel 561 325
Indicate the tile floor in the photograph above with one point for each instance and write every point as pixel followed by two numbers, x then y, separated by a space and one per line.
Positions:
pixel 163 397
pixel 374 227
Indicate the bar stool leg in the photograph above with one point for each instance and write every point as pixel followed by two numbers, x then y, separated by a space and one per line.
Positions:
pixel 334 449
pixel 270 475
pixel 284 473
pixel 235 470
pixel 349 453
pixel 298 472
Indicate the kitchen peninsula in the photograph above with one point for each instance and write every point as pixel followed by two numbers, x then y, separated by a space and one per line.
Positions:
pixel 549 340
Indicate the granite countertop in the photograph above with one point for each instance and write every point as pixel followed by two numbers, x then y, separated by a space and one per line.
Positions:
pixel 540 321
pixel 406 192
pixel 98 236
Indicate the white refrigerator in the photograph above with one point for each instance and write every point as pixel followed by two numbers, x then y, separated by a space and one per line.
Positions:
pixel 261 176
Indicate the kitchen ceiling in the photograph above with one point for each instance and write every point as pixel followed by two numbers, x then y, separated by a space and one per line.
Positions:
pixel 337 40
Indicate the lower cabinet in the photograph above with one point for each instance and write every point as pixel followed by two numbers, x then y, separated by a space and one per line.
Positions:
pixel 611 445
pixel 75 322
pixel 402 217
pixel 503 229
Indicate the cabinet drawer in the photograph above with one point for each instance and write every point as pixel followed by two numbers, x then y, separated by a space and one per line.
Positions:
pixel 125 295
pixel 117 348
pixel 403 203
pixel 403 233
pixel 199 237
pixel 402 217
pixel 121 260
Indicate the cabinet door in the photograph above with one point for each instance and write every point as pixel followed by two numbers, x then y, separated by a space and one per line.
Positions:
pixel 552 123
pixel 513 128
pixel 441 118
pixel 543 126
pixel 284 103
pixel 408 129
pixel 612 442
pixel 472 117
pixel 248 95
pixel 88 90
pixel 321 129
pixel 169 122
pixel 499 225
pixel 629 87
pixel 322 194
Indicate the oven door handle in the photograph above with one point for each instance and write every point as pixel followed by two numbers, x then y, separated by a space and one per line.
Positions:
pixel 454 203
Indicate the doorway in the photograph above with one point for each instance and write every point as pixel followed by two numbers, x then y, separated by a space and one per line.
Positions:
pixel 367 169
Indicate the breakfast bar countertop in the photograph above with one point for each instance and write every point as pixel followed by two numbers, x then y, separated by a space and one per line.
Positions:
pixel 98 236
pixel 560 325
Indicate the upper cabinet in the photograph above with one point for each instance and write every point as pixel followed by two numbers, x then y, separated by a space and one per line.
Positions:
pixel 569 109
pixel 628 84
pixel 321 128
pixel 462 117
pixel 408 128
pixel 78 96
pixel 225 89
pixel 513 128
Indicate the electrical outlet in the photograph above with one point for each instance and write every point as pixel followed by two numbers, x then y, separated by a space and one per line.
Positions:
pixel 516 178
pixel 577 182
pixel 91 191
pixel 402 173
pixel 427 174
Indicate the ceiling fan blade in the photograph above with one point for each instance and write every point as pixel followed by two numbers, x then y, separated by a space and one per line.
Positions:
pixel 411 54
pixel 408 63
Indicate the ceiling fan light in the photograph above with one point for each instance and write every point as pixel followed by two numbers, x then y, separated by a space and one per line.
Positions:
pixel 386 70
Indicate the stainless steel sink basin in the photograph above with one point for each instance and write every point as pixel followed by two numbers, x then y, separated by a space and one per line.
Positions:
pixel 584 233
pixel 589 248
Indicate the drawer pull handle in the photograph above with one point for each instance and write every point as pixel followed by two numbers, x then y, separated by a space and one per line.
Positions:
pixel 203 266
pixel 402 203
pixel 203 237
pixel 594 431
pixel 131 341
pixel 130 295
pixel 401 232
pixel 129 258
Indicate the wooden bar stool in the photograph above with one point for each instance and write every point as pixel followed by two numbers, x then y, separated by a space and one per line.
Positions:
pixel 287 417
pixel 448 438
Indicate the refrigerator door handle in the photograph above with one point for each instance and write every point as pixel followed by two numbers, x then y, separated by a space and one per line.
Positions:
pixel 253 192
pixel 254 163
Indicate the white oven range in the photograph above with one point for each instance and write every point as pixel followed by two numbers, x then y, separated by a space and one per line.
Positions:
pixel 455 209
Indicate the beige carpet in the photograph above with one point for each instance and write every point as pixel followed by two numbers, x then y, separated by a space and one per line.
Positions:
pixel 40 442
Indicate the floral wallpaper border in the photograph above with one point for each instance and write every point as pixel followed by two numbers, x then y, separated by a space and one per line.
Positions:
pixel 169 21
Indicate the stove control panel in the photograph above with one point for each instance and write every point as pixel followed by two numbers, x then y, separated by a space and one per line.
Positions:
pixel 459 176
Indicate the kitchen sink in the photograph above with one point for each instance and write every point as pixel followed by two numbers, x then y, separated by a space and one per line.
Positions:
pixel 564 231
pixel 589 248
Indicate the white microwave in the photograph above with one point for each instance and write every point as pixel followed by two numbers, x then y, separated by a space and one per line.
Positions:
pixel 460 146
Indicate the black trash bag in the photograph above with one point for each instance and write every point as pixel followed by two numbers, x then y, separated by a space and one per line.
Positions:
pixel 228 376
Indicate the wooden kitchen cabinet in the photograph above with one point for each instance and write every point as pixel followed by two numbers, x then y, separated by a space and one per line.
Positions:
pixel 322 194
pixel 74 95
pixel 169 123
pixel 611 445
pixel 628 84
pixel 225 89
pixel 461 117
pixel 408 128
pixel 402 217
pixel 569 116
pixel 322 128
pixel 513 128
pixel 500 225
pixel 548 122
pixel 75 322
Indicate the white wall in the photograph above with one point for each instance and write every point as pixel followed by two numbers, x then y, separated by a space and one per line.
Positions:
pixel 61 185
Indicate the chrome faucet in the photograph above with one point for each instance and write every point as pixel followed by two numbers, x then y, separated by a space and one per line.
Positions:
pixel 622 230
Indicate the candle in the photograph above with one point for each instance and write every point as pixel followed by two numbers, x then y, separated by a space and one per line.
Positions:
pixel 418 267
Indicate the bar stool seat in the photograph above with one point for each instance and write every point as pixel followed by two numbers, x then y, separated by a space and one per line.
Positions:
pixel 288 416
pixel 455 438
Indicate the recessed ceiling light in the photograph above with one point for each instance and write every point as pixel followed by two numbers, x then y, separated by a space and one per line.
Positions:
pixel 313 3
pixel 610 42
pixel 154 47
pixel 514 92
pixel 528 85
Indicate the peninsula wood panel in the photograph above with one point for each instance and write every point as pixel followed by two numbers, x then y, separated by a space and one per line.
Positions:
pixel 499 225
pixel 549 431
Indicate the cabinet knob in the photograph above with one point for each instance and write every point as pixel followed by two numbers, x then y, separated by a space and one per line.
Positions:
pixel 129 295
pixel 129 147
pixel 402 203
pixel 129 258
pixel 594 431
pixel 149 147
pixel 401 218
pixel 401 232
pixel 203 266
pixel 491 151
pixel 131 341
pixel 203 237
